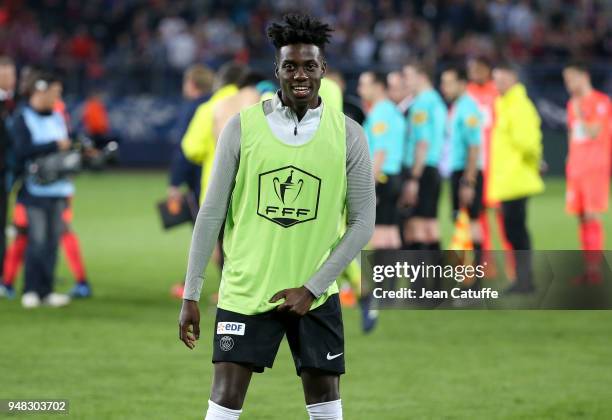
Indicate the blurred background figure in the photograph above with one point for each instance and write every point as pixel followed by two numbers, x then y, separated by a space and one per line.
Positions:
pixel 516 150
pixel 69 240
pixel 199 141
pixel 96 125
pixel 331 93
pixel 247 95
pixel 351 105
pixel 482 88
pixel 384 127
pixel 589 124
pixel 398 91
pixel 38 132
pixel 464 128
pixel 8 80
pixel 197 85
pixel 421 190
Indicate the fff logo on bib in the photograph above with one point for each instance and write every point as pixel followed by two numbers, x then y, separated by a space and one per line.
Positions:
pixel 288 196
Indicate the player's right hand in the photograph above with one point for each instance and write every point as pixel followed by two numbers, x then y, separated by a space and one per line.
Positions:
pixel 466 195
pixel 64 144
pixel 189 317
pixel 410 194
pixel 174 193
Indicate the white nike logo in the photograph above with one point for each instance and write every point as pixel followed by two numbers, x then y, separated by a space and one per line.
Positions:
pixel 330 357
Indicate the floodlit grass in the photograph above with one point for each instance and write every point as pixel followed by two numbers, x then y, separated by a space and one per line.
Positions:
pixel 117 356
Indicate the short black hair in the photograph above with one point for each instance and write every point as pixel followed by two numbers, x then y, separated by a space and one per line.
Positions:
pixel 41 79
pixel 299 29
pixel 379 77
pixel 421 67
pixel 482 59
pixel 459 71
pixel 230 73
pixel 578 65
pixel 250 78
pixel 507 66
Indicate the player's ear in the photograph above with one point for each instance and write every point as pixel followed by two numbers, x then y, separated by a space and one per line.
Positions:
pixel 275 69
pixel 323 67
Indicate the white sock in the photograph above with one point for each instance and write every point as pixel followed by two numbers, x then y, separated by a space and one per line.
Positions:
pixel 331 410
pixel 217 412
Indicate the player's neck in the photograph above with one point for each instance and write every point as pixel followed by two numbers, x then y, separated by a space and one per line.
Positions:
pixel 300 109
pixel 481 83
pixel 378 98
pixel 585 92
pixel 39 107
pixel 424 87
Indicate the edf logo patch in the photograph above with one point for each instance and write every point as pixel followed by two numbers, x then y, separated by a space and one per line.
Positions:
pixel 288 196
pixel 230 328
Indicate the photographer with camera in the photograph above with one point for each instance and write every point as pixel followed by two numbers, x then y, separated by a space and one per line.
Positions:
pixel 40 132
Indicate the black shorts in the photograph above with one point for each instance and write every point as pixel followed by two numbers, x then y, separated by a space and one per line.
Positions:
pixel 429 193
pixel 476 208
pixel 316 340
pixel 387 195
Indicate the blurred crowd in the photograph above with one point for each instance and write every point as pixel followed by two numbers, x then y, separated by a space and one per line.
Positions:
pixel 98 38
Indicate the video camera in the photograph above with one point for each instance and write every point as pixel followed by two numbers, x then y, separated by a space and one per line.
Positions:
pixel 83 155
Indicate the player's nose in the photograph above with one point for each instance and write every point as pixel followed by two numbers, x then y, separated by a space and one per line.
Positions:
pixel 300 74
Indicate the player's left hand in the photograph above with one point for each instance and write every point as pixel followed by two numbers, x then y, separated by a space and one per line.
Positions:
pixel 297 300
pixel 576 109
pixel 410 195
pixel 189 323
pixel 92 152
pixel 466 195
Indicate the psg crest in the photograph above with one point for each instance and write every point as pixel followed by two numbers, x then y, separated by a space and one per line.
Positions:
pixel 226 343
pixel 288 196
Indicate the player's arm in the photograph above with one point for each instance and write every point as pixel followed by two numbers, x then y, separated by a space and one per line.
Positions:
pixel 420 152
pixel 473 135
pixel 423 132
pixel 379 161
pixel 594 125
pixel 361 205
pixel 381 141
pixel 179 172
pixel 25 147
pixel 220 117
pixel 180 167
pixel 208 224
pixel 195 143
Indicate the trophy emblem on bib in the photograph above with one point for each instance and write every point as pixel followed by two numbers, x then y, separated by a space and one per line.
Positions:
pixel 288 191
pixel 288 196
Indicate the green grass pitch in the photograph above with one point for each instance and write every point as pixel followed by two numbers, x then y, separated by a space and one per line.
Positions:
pixel 117 356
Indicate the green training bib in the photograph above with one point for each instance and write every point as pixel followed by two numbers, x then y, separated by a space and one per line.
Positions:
pixel 286 212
